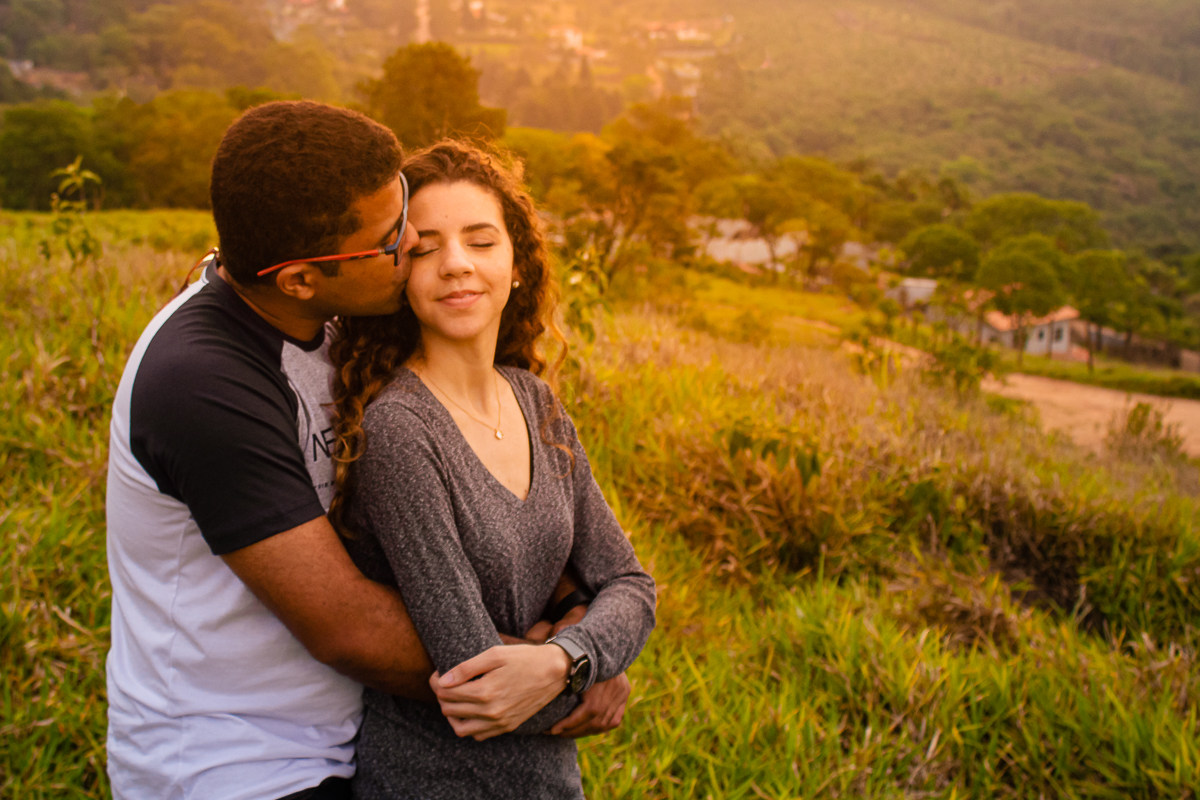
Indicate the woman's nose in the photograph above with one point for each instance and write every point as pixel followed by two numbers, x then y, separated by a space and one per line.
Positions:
pixel 457 261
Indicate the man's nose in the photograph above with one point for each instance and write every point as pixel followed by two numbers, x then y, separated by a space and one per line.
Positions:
pixel 411 238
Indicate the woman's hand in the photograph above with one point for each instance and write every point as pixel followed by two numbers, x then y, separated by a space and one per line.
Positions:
pixel 497 690
pixel 602 709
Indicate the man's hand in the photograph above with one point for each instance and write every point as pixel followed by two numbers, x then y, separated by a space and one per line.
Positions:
pixel 544 629
pixel 602 709
pixel 514 683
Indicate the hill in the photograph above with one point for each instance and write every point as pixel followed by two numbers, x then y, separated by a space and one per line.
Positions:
pixel 1094 101
pixel 996 99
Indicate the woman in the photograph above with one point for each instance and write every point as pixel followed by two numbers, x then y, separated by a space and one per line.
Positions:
pixel 467 488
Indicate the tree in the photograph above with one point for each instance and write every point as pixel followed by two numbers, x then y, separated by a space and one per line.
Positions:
pixel 839 189
pixel 1135 310
pixel 558 102
pixel 1041 248
pixel 37 139
pixel 828 229
pixel 427 92
pixel 772 207
pixel 1024 287
pixel 1101 285
pixel 941 251
pixel 174 156
pixel 624 196
pixel 1072 226
pixel 15 91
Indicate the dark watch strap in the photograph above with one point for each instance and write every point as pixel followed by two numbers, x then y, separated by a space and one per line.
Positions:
pixel 581 665
pixel 575 598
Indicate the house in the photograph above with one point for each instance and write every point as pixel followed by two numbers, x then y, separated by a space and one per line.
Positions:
pixel 858 254
pixel 738 242
pixel 1049 335
pixel 913 291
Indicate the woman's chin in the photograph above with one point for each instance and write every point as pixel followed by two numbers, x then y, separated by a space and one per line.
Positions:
pixel 459 331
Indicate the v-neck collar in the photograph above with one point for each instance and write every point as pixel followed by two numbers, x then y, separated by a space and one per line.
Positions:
pixel 534 472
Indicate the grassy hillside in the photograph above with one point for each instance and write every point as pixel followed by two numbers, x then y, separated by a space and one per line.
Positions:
pixel 1156 38
pixel 868 587
pixel 921 85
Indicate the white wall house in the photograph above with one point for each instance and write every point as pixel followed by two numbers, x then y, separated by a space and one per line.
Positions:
pixel 1049 335
pixel 913 291
pixel 738 242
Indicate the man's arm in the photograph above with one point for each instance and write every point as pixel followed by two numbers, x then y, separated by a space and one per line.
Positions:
pixel 358 627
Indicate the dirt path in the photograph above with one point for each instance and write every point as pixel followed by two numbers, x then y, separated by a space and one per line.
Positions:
pixel 1084 412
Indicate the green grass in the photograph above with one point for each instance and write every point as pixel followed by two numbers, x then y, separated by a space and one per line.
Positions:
pixel 181 232
pixel 778 300
pixel 1109 373
pixel 1112 374
pixel 851 635
pixel 952 605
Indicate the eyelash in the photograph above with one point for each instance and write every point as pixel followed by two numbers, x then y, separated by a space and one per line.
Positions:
pixel 414 253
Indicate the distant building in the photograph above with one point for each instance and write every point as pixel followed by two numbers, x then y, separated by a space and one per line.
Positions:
pixel 859 254
pixel 570 36
pixel 913 291
pixel 73 83
pixel 738 242
pixel 1048 335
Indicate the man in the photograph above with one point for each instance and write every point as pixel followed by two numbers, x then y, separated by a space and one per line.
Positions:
pixel 241 631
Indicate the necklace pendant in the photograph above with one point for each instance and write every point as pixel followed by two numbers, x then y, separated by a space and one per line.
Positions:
pixel 499 433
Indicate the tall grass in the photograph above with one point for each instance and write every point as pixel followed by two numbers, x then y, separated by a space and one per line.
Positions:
pixel 55 395
pixel 951 603
pixel 868 587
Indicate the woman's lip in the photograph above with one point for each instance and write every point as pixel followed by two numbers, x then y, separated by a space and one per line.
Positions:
pixel 460 299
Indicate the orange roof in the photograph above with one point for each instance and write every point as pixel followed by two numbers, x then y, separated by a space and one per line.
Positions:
pixel 1003 322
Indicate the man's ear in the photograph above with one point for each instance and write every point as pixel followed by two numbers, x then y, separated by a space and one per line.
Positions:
pixel 298 281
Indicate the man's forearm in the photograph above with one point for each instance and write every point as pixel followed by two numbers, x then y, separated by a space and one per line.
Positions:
pixel 381 648
pixel 355 625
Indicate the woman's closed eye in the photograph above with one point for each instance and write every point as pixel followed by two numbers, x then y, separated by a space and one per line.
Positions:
pixel 424 250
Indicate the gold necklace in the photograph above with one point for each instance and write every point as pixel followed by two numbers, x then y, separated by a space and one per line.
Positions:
pixel 499 410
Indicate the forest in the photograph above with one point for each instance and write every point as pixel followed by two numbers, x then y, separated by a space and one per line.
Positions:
pixel 634 192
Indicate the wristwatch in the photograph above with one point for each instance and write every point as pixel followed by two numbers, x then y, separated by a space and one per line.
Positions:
pixel 581 665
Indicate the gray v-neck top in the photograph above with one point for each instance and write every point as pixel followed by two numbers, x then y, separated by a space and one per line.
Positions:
pixel 473 560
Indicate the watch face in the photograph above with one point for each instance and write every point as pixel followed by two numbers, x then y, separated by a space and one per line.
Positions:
pixel 579 674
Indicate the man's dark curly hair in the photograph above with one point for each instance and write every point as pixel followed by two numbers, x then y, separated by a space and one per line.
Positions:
pixel 285 177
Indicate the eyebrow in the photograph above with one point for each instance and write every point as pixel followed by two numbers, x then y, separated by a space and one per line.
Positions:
pixel 478 226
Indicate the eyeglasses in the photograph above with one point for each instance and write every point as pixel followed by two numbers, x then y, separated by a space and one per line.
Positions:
pixel 392 249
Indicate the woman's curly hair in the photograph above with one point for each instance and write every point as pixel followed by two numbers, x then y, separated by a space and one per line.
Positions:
pixel 367 351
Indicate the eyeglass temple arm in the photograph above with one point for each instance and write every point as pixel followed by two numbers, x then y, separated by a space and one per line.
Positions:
pixel 378 251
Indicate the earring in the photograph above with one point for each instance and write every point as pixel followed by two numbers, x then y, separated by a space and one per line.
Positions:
pixel 516 284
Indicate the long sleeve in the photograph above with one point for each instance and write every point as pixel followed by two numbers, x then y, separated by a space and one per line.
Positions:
pixel 405 501
pixel 472 559
pixel 622 615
